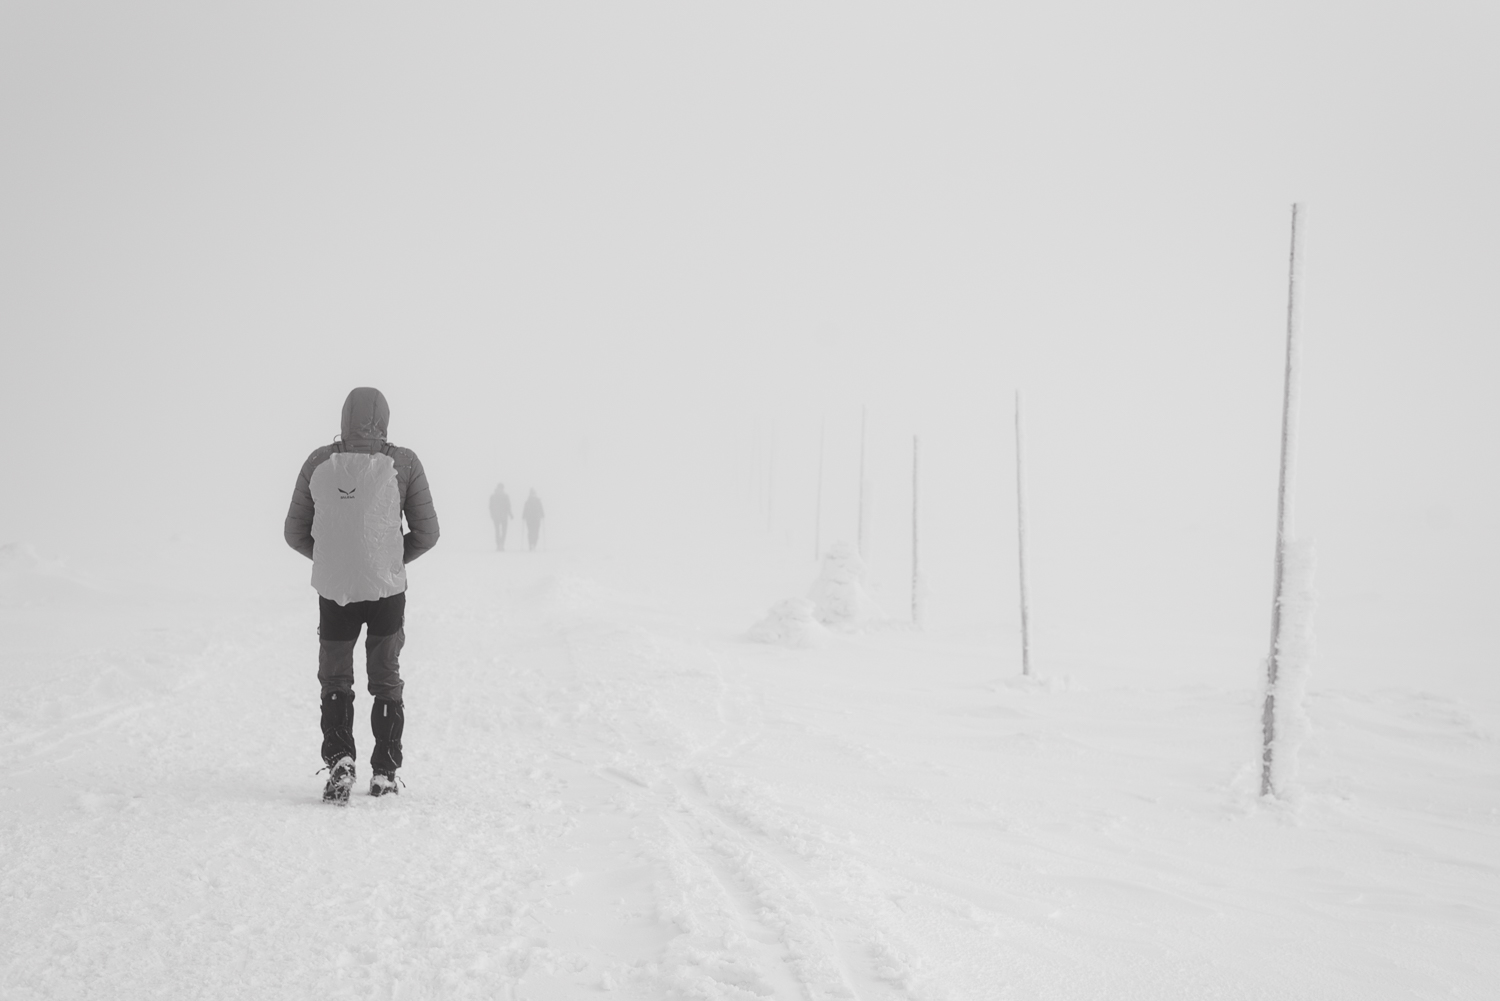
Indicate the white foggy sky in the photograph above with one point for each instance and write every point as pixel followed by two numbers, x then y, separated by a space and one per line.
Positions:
pixel 656 228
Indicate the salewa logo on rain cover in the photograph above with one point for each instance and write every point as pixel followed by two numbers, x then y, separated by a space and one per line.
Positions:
pixel 347 494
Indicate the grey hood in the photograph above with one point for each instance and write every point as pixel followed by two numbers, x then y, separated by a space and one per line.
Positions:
pixel 366 415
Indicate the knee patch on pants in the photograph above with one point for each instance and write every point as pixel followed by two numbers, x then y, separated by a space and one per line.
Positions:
pixel 336 666
pixel 383 665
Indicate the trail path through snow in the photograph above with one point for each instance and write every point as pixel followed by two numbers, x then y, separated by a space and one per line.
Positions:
pixel 611 793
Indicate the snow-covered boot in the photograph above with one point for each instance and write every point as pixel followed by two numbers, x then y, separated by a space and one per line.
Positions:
pixel 382 783
pixel 338 727
pixel 340 782
pixel 387 721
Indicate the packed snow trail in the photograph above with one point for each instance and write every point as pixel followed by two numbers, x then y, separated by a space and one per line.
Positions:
pixel 611 792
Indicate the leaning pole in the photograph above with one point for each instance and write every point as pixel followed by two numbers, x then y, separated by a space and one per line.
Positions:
pixel 1283 511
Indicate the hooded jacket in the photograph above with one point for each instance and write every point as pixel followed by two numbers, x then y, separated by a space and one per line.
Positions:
pixel 348 503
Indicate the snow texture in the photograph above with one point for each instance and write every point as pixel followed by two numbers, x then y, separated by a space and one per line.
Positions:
pixel 839 597
pixel 610 794
pixel 791 623
pixel 1294 654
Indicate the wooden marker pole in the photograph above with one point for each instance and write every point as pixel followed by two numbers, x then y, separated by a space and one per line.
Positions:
pixel 1283 508
pixel 1021 541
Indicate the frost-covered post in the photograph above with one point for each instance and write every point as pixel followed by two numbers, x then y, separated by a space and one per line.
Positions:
pixel 916 539
pixel 859 536
pixel 1282 717
pixel 818 517
pixel 1021 540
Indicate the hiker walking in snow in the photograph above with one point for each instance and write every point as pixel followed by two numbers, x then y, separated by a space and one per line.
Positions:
pixel 533 514
pixel 500 515
pixel 345 516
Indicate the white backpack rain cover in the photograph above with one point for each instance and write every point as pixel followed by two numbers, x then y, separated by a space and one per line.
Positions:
pixel 357 528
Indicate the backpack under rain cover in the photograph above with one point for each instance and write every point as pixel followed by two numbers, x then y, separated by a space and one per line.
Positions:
pixel 356 528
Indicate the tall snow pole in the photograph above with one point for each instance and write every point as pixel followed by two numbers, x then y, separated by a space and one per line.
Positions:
pixel 1283 510
pixel 916 566
pixel 1021 541
pixel 818 518
pixel 859 536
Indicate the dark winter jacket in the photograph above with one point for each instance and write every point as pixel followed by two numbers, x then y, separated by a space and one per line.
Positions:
pixel 365 418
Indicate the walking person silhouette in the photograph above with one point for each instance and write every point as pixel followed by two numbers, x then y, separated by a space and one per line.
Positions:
pixel 532 514
pixel 500 515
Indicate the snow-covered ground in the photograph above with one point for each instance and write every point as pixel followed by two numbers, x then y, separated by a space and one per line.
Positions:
pixel 611 791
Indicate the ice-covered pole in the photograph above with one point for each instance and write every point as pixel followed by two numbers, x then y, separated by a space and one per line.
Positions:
pixel 1281 642
pixel 1021 540
pixel 916 538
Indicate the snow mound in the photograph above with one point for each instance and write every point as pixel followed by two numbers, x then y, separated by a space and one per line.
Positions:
pixel 839 598
pixel 1036 683
pixel 28 578
pixel 15 558
pixel 790 623
pixel 1294 654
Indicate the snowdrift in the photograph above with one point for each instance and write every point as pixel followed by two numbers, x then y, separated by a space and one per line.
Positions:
pixel 27 578
pixel 836 601
pixel 791 623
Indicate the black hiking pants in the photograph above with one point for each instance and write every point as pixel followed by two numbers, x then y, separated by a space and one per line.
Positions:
pixel 338 631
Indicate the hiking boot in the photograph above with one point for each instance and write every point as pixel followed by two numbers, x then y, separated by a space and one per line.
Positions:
pixel 382 783
pixel 340 781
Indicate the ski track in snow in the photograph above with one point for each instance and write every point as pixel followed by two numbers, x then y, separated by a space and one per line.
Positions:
pixel 610 798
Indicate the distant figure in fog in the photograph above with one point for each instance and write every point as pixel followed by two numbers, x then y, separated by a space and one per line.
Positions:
pixel 500 514
pixel 533 514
